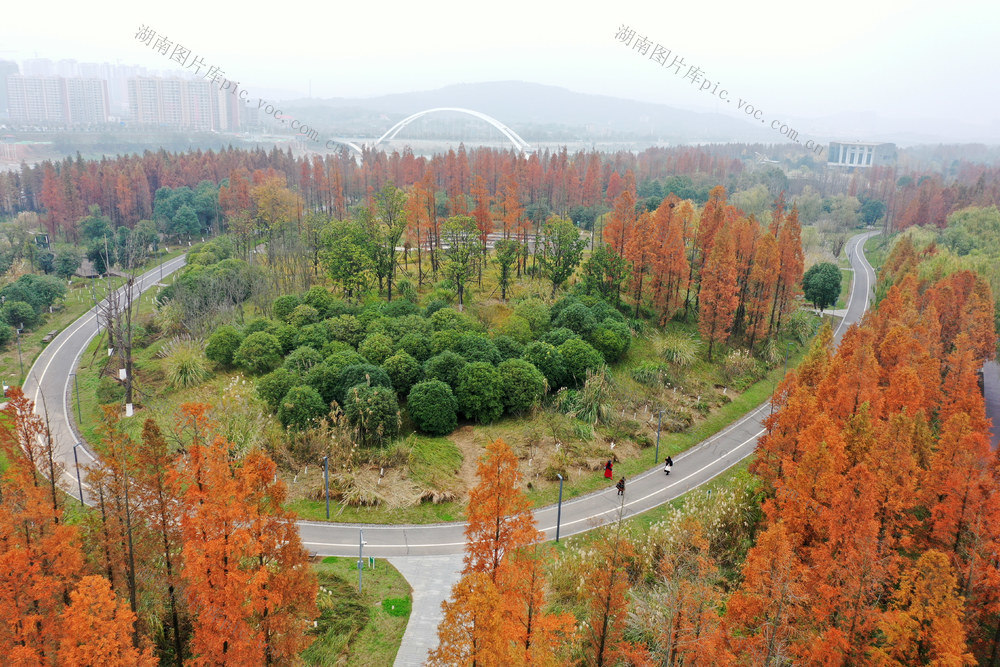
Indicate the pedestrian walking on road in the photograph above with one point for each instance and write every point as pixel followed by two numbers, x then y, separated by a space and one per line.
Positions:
pixel 621 486
pixel 667 465
pixel 607 470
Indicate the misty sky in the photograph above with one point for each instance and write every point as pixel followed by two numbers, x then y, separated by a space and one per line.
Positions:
pixel 897 59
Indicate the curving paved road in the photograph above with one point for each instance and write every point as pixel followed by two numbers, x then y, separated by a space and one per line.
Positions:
pixel 49 385
pixel 433 549
pixel 644 492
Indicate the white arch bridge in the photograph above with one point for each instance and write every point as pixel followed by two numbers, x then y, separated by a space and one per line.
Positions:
pixel 520 144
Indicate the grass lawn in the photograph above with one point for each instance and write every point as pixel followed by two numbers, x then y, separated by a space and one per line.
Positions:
pixel 846 279
pixel 363 629
pixel 877 248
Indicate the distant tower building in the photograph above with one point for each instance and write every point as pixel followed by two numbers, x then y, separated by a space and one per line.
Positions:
pixel 7 68
pixel 182 103
pixel 861 154
pixel 87 101
pixel 36 99
pixel 53 99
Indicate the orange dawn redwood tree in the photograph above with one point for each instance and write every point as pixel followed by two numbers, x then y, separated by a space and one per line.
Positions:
pixel 719 298
pixel 496 615
pixel 247 578
pixel 97 629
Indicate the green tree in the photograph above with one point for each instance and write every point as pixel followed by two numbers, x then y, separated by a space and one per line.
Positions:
pixel 478 392
pixel 346 328
pixel 390 224
pixel 185 221
pixel 223 344
pixel 433 407
pixel 445 367
pixel 461 235
pixel 403 370
pixel 547 359
pixel 562 249
pixel 416 345
pixel 506 253
pixel 301 407
pixel 376 348
pixel 476 347
pixel 272 387
pixel 348 257
pixel 284 305
pixel 258 353
pixel 521 385
pixel 577 318
pixel 612 339
pixel 94 227
pixel 872 211
pixel 302 315
pixel 302 359
pixel 373 412
pixel 821 284
pixel 579 357
pixel 18 313
pixel 323 378
pixel 67 261
pixel 604 273
pixel 359 374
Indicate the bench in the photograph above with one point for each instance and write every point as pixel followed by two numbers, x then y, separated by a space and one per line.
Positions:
pixel 50 335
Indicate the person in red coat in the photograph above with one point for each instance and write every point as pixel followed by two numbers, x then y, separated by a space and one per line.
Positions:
pixel 607 470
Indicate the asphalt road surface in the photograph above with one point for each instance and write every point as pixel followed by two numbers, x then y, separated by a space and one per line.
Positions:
pixel 49 385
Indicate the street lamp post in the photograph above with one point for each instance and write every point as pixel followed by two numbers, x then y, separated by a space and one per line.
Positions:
pixel 326 483
pixel 559 507
pixel 361 547
pixel 79 482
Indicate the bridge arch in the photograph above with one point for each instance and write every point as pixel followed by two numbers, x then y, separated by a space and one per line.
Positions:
pixel 520 144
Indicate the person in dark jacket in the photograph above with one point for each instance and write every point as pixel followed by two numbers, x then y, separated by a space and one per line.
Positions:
pixel 621 486
pixel 667 465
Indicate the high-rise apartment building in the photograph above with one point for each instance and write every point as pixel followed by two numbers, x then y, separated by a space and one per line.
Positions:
pixel 57 100
pixel 182 103
pixel 7 68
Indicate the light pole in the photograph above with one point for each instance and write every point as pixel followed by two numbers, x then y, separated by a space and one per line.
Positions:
pixel 361 546
pixel 79 483
pixel 659 422
pixel 326 483
pixel 559 507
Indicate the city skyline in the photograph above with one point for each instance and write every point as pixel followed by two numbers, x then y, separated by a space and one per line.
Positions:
pixel 852 64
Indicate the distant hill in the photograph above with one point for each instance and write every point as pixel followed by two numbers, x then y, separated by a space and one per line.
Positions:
pixel 532 107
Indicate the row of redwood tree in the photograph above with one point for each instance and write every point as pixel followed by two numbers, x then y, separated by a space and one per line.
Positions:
pixel 186 556
pixel 877 542
pixel 739 275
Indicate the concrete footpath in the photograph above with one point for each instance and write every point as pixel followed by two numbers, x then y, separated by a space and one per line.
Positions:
pixel 431 578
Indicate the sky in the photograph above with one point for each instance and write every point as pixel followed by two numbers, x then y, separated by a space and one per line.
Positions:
pixel 922 63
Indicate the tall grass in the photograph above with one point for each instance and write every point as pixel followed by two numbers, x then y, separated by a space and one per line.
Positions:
pixel 680 349
pixel 184 363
